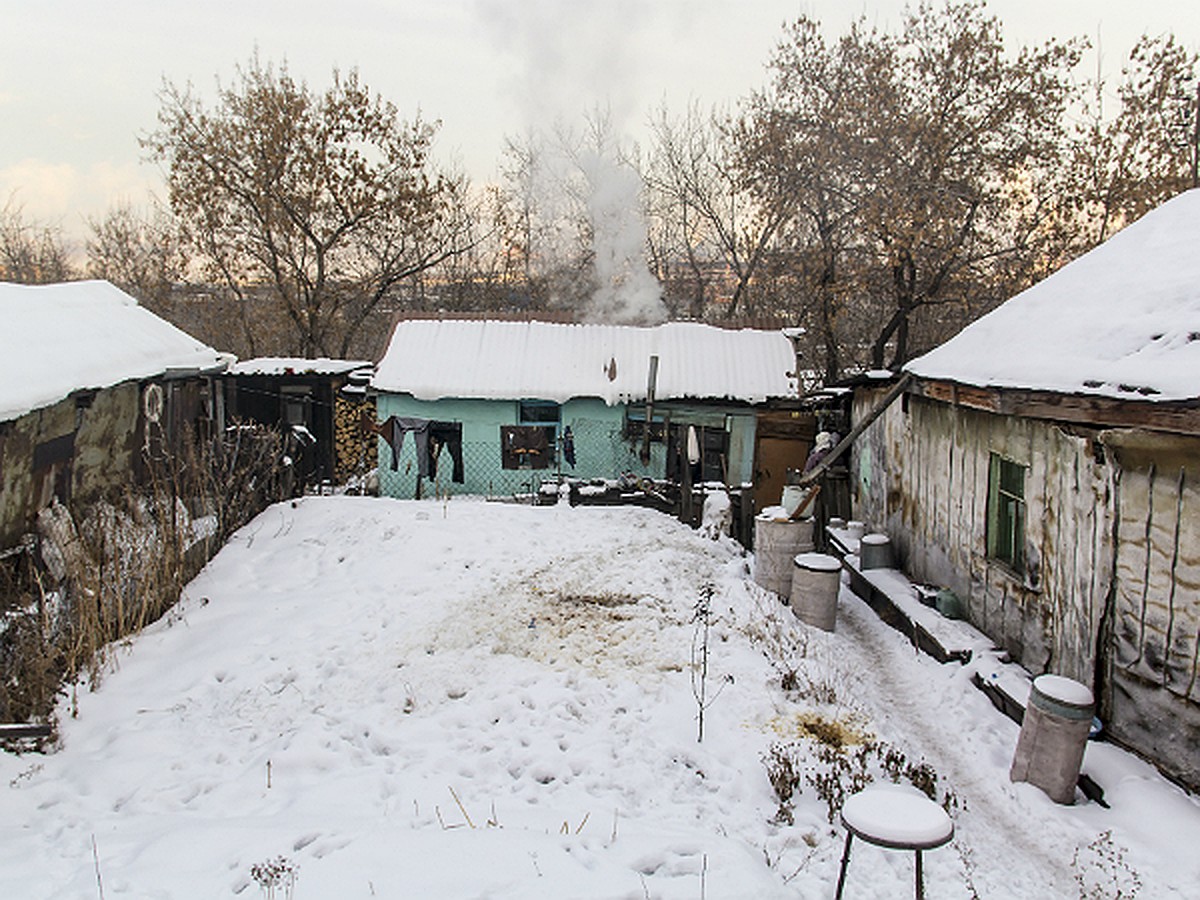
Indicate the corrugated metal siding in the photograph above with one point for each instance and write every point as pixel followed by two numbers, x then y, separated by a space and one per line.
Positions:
pixel 1154 695
pixel 433 360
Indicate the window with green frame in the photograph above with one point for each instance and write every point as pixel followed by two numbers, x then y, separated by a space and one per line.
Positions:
pixel 1006 512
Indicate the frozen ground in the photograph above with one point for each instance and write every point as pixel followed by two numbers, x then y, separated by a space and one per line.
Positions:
pixel 401 699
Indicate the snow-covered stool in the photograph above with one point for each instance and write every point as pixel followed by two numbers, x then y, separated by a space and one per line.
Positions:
pixel 898 817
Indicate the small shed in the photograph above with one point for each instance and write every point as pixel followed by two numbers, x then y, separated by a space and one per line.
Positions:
pixel 93 386
pixel 526 401
pixel 318 404
pixel 1045 465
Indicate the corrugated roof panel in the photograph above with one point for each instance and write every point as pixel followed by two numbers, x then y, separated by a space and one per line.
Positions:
pixel 511 360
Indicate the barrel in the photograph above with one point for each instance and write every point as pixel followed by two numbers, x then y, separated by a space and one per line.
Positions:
pixel 1053 736
pixel 776 543
pixel 875 552
pixel 816 578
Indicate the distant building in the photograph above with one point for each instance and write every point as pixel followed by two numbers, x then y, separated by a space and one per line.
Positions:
pixel 529 400
pixel 317 403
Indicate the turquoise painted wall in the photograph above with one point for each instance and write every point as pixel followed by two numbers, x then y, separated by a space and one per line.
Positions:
pixel 740 423
pixel 600 450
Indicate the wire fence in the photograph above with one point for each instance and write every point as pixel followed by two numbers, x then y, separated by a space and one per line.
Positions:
pixel 601 452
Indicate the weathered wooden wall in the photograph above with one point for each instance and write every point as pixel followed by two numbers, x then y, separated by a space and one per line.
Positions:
pixel 95 443
pixel 1111 591
pixel 92 444
pixel 921 475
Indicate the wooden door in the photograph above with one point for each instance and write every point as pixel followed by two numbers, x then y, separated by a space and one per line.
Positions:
pixel 782 442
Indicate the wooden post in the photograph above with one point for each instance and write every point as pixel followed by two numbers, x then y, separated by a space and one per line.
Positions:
pixel 651 384
pixel 685 481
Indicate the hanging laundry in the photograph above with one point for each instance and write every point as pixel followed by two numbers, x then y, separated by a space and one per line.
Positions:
pixel 693 454
pixel 693 446
pixel 394 428
pixel 568 446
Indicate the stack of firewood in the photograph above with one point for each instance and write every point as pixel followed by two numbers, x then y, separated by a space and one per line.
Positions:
pixel 353 437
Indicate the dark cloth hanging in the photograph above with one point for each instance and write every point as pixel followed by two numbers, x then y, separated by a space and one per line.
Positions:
pixel 448 435
pixel 393 430
pixel 568 446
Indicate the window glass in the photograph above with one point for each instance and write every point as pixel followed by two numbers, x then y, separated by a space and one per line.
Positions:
pixel 635 424
pixel 538 412
pixel 1006 512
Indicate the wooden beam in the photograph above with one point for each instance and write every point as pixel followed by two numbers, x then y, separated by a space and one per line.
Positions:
pixel 23 730
pixel 1176 417
pixel 818 470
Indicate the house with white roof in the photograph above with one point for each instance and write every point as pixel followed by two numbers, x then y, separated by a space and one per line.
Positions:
pixel 1044 464
pixel 528 400
pixel 94 386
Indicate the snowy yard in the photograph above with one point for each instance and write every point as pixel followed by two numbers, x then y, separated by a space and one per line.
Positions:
pixel 400 699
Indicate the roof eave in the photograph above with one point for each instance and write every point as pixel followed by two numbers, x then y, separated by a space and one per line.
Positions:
pixel 1176 416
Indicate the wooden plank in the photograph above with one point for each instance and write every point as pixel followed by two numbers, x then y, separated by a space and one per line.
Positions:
pixel 1177 417
pixel 23 730
pixel 789 425
pixel 815 473
pixel 893 615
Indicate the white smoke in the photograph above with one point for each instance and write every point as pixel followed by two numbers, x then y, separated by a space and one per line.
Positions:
pixel 626 292
pixel 574 58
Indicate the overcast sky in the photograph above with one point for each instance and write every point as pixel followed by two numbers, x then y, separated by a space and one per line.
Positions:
pixel 79 78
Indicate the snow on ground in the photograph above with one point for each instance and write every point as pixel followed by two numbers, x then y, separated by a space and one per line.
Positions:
pixel 416 699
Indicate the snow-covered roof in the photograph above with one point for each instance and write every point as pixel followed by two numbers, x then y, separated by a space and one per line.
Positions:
pixel 60 338
pixel 1120 321
pixel 284 365
pixel 500 360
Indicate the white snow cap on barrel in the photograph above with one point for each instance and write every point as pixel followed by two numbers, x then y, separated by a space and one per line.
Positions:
pixel 1064 690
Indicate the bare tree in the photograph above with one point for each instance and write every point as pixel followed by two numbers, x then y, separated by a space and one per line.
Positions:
pixel 717 226
pixel 140 254
pixel 326 201
pixel 962 121
pixel 1147 150
pixel 899 153
pixel 799 145
pixel 32 252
